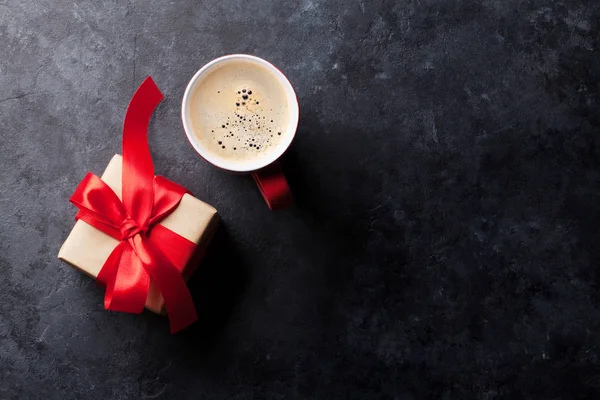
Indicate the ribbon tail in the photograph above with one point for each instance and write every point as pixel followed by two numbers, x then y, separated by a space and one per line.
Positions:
pixel 172 286
pixel 138 170
pixel 108 272
pixel 127 282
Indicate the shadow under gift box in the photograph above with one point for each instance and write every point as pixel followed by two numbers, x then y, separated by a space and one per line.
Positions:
pixel 87 248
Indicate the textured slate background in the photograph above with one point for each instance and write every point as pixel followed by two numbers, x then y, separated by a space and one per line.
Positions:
pixel 444 243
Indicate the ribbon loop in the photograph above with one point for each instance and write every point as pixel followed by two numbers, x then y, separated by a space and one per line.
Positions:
pixel 146 201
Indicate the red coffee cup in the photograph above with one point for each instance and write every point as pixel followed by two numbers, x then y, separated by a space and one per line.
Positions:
pixel 208 99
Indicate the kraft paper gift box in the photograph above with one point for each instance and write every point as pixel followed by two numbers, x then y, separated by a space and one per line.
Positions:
pixel 86 248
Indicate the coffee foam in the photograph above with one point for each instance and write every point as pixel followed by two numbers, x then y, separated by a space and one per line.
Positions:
pixel 239 111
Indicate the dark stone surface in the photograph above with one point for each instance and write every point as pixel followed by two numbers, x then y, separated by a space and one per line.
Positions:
pixel 444 243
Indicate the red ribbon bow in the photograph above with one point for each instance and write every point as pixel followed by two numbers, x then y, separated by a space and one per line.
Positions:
pixel 145 250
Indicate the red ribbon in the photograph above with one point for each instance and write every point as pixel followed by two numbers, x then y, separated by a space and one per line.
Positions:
pixel 146 250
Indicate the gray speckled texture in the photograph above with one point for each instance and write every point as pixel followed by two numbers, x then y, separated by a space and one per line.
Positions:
pixel 445 242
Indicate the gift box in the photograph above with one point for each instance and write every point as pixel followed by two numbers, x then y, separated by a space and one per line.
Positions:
pixel 87 248
pixel 139 234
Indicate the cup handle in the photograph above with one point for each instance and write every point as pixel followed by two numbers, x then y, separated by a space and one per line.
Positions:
pixel 273 186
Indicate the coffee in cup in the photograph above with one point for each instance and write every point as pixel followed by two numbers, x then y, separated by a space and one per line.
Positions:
pixel 239 112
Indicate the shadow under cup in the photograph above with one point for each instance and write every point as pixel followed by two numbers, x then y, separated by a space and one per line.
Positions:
pixel 240 113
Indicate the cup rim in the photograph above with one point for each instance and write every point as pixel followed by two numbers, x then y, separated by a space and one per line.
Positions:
pixel 252 165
